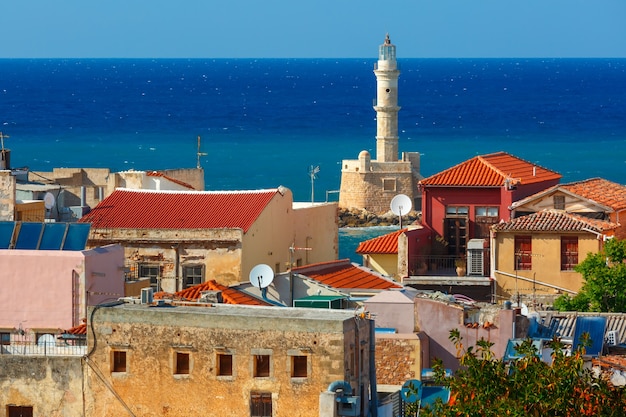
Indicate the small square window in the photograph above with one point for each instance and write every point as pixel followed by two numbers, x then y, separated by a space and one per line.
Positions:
pixel 559 202
pixel 224 364
pixel 19 411
pixel 119 361
pixel 299 366
pixel 261 366
pixel 182 363
pixel 5 338
pixel 389 184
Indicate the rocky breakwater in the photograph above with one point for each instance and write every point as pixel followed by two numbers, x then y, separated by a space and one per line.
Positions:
pixel 364 218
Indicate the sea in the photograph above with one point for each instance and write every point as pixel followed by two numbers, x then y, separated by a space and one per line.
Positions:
pixel 269 122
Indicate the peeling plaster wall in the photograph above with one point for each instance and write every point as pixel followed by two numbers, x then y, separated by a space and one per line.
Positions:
pixel 53 386
pixel 7 196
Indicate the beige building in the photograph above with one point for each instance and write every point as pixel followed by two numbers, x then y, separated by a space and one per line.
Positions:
pixel 225 360
pixel 371 184
pixel 533 256
pixel 176 239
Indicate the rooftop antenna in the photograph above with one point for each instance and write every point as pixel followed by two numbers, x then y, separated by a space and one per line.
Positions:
pixel 401 204
pixel 313 170
pixel 199 154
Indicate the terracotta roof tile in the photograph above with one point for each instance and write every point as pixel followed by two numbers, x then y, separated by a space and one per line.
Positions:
pixel 554 220
pixel 174 180
pixel 80 329
pixel 385 244
pixel 599 190
pixel 146 209
pixel 491 171
pixel 343 274
pixel 229 295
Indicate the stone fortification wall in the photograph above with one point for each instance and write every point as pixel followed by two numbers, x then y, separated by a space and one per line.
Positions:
pixel 7 196
pixel 363 218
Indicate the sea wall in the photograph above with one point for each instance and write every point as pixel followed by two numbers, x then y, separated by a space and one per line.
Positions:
pixel 363 218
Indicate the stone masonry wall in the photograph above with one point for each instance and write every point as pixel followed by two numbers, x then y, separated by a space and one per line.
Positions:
pixel 397 359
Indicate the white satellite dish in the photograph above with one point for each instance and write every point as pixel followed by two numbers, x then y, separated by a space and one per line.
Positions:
pixel 48 200
pixel 261 276
pixel 401 204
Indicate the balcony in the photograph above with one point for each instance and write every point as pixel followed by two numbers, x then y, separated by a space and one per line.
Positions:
pixel 47 345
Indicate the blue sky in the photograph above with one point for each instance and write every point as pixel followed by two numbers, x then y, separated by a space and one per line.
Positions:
pixel 320 28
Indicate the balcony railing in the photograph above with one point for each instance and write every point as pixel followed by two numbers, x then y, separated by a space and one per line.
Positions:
pixel 29 348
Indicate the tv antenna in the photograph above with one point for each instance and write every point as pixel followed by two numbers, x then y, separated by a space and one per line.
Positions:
pixel 261 276
pixel 313 170
pixel 401 204
pixel 199 154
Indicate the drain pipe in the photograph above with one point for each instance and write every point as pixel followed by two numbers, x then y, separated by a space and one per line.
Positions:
pixel 373 388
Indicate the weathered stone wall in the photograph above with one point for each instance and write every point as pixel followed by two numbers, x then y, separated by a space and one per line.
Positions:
pixel 51 385
pixel 397 358
pixel 366 190
pixel 7 196
pixel 151 337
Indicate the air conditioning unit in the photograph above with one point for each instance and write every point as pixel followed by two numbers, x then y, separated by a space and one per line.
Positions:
pixel 476 257
pixel 147 295
pixel 349 406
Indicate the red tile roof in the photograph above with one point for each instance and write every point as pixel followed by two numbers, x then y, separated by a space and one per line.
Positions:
pixel 229 295
pixel 554 221
pixel 599 190
pixel 146 209
pixel 491 171
pixel 80 329
pixel 385 244
pixel 174 180
pixel 343 274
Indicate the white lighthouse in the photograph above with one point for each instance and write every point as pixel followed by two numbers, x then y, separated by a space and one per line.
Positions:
pixel 370 184
pixel 386 107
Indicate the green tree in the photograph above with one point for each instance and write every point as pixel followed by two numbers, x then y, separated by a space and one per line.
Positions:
pixel 486 386
pixel 604 288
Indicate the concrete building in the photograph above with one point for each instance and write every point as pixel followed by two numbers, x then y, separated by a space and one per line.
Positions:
pixel 224 360
pixel 371 184
pixel 47 290
pixel 176 239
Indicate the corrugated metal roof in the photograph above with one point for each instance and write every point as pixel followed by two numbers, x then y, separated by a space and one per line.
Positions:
pixel 146 209
pixel 344 274
pixel 229 295
pixel 385 244
pixel 554 221
pixel 491 170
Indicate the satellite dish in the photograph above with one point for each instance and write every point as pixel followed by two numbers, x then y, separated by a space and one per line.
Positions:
pixel 48 200
pixel 261 276
pixel 401 204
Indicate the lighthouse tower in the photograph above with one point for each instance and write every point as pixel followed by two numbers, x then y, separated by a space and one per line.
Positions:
pixel 386 107
pixel 370 184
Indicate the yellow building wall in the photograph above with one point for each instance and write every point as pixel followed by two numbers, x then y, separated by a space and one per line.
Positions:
pixel 546 265
pixel 386 264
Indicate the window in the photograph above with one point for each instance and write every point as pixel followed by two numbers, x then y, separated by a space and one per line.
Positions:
pixel 559 202
pixel 5 338
pixel 181 363
pixel 456 230
pixel 299 366
pixel 260 404
pixel 261 366
pixel 19 411
pixel 569 253
pixel 484 218
pixel 523 253
pixel 150 271
pixel 118 361
pixel 389 184
pixel 224 364
pixel 193 275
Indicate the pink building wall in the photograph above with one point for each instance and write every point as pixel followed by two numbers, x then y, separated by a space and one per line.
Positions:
pixel 45 290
